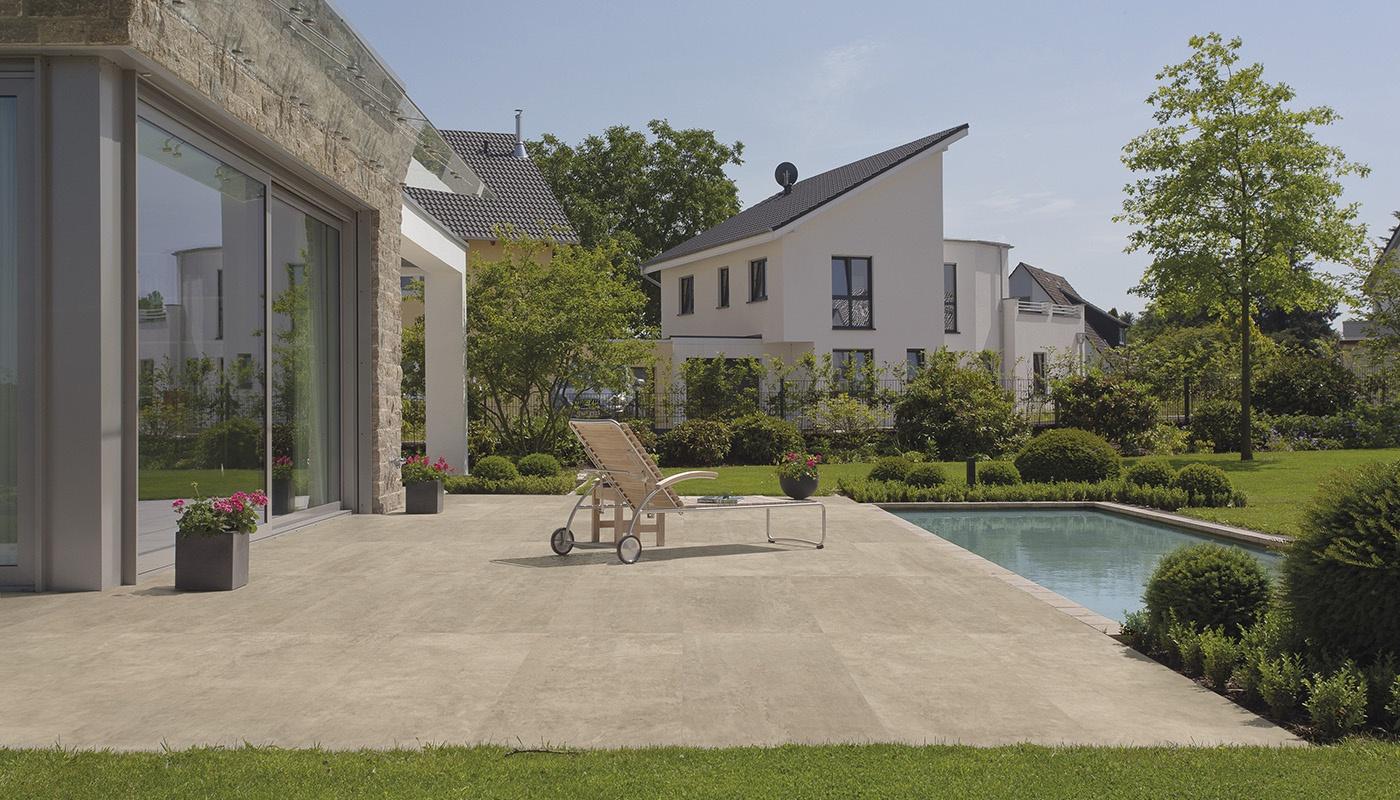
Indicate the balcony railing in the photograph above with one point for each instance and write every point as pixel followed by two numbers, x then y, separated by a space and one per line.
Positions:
pixel 1049 309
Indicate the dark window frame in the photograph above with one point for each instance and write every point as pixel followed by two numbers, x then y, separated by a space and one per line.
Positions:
pixel 758 280
pixel 950 304
pixel 1040 374
pixel 913 368
pixel 850 299
pixel 723 288
pixel 687 298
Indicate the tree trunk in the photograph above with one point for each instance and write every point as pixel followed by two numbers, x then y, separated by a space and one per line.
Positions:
pixel 1246 375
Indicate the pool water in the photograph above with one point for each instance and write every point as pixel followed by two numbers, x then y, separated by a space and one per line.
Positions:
pixel 1097 559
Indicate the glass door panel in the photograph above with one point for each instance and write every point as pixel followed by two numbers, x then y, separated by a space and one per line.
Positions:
pixel 9 331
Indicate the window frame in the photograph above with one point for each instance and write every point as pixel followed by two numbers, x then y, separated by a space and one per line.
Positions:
pixel 1040 374
pixel 723 288
pixel 953 302
pixel 839 374
pixel 758 279
pixel 849 298
pixel 687 296
pixel 913 368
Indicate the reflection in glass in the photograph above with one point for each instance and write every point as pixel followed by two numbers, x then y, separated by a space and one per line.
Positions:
pixel 9 331
pixel 305 360
pixel 201 268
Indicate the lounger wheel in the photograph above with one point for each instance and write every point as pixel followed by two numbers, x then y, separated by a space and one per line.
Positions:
pixel 629 549
pixel 561 541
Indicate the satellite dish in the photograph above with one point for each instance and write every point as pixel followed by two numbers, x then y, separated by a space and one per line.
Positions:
pixel 786 176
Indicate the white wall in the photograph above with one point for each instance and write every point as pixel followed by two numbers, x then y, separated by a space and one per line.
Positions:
pixel 1027 333
pixel 981 286
pixel 741 318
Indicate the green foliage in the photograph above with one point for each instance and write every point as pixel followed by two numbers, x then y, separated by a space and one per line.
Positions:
pixel 644 434
pixel 1136 632
pixel 235 443
pixel 1218 422
pixel 721 388
pixel 1185 644
pixel 521 484
pixel 1378 285
pixel 1363 427
pixel 419 469
pixel 482 440
pixel 1394 705
pixel 495 468
pixel 1068 454
pixel 1220 654
pixel 1268 637
pixel 694 443
pixel 1203 480
pixel 1207 585
pixel 413 384
pixel 1165 439
pixel 960 408
pixel 1337 704
pixel 998 473
pixel 760 439
pixel 872 491
pixel 1301 382
pixel 1342 572
pixel 891 468
pixel 1151 472
pixel 849 424
pixel 1381 674
pixel 539 465
pixel 926 476
pixel 1121 410
pixel 1281 684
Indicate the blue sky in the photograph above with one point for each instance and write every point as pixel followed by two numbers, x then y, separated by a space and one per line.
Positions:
pixel 1052 91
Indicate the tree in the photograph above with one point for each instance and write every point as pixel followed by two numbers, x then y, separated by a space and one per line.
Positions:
pixel 1380 289
pixel 414 385
pixel 1237 197
pixel 537 326
pixel 641 195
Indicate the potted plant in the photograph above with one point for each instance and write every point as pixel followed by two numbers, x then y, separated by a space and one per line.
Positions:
pixel 797 474
pixel 422 483
pixel 282 485
pixel 211 540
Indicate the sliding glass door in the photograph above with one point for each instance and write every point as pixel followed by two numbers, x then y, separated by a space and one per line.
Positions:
pixel 17 275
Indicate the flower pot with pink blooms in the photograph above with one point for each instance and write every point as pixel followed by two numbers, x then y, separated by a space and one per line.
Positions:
pixel 422 484
pixel 211 540
pixel 797 474
pixel 283 494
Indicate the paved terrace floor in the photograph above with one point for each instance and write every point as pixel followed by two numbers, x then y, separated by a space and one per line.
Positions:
pixel 462 628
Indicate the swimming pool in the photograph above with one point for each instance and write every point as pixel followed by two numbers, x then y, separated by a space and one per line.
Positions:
pixel 1098 559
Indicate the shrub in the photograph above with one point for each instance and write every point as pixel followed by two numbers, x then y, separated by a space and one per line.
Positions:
pixel 868 491
pixel 1299 382
pixel 1151 472
pixel 1121 410
pixel 482 440
pixel 960 409
pixel 890 468
pixel 1337 704
pixel 1219 655
pixel 998 473
pixel 539 465
pixel 1280 683
pixel 1341 575
pixel 1165 439
pixel 761 439
pixel 721 388
pixel 1270 636
pixel 916 457
pixel 1208 585
pixel 1203 480
pixel 524 484
pixel 1380 675
pixel 1068 454
pixel 1218 422
pixel 926 476
pixel 848 422
pixel 235 443
pixel 1136 633
pixel 1185 644
pixel 694 443
pixel 1394 705
pixel 644 434
pixel 1356 429
pixel 495 468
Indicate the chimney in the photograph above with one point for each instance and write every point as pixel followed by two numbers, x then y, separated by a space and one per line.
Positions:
pixel 519 139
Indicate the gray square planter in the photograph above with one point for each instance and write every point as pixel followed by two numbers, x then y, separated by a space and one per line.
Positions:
pixel 211 562
pixel 423 498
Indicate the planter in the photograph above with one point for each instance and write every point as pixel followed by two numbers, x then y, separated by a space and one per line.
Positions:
pixel 211 562
pixel 282 496
pixel 423 498
pixel 799 488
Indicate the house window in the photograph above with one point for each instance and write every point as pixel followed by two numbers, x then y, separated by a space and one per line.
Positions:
pixel 1040 376
pixel 758 280
pixel 846 365
pixel 723 287
pixel 950 298
pixel 850 293
pixel 913 362
pixel 688 295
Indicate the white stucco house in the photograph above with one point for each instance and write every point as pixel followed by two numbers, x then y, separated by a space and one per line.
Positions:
pixel 854 262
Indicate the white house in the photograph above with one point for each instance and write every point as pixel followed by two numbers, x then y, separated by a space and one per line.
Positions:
pixel 854 262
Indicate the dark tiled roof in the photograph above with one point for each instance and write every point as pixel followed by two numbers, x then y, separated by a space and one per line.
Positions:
pixel 523 198
pixel 1063 293
pixel 806 196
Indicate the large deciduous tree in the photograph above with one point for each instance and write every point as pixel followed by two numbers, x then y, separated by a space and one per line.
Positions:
pixel 1236 198
pixel 643 194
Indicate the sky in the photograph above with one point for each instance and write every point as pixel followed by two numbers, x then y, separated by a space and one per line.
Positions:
pixel 1052 92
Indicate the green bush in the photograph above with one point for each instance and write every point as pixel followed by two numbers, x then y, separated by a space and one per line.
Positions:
pixel 1151 472
pixel 721 388
pixel 998 473
pixel 960 409
pixel 849 423
pixel 539 465
pixel 644 434
pixel 235 443
pixel 1208 585
pixel 524 484
pixel 1280 684
pixel 1203 480
pixel 1341 574
pixel 482 440
pixel 1218 422
pixel 1121 410
pixel 926 476
pixel 1185 644
pixel 1300 382
pixel 694 443
pixel 495 468
pixel 1219 655
pixel 1337 704
pixel 891 468
pixel 1137 633
pixel 1269 637
pixel 1381 675
pixel 872 491
pixel 1394 705
pixel 1068 454
pixel 761 439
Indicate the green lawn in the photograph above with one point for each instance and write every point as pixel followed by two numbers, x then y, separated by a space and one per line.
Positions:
pixel 167 484
pixel 1355 770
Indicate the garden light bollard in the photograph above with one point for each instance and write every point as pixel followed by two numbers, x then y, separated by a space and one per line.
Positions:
pixel 972 472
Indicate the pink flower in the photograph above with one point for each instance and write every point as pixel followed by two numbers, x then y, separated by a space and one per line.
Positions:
pixel 178 504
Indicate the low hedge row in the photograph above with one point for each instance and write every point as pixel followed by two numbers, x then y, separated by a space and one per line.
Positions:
pixel 522 484
pixel 1119 491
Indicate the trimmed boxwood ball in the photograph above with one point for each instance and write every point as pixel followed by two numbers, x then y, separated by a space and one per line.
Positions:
pixel 1151 472
pixel 1068 454
pixel 998 473
pixel 495 468
pixel 539 465
pixel 761 439
pixel 926 476
pixel 1208 585
pixel 891 468
pixel 1203 480
pixel 1341 575
pixel 694 443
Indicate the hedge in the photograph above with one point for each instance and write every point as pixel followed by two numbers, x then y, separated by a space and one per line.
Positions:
pixel 526 484
pixel 1166 499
